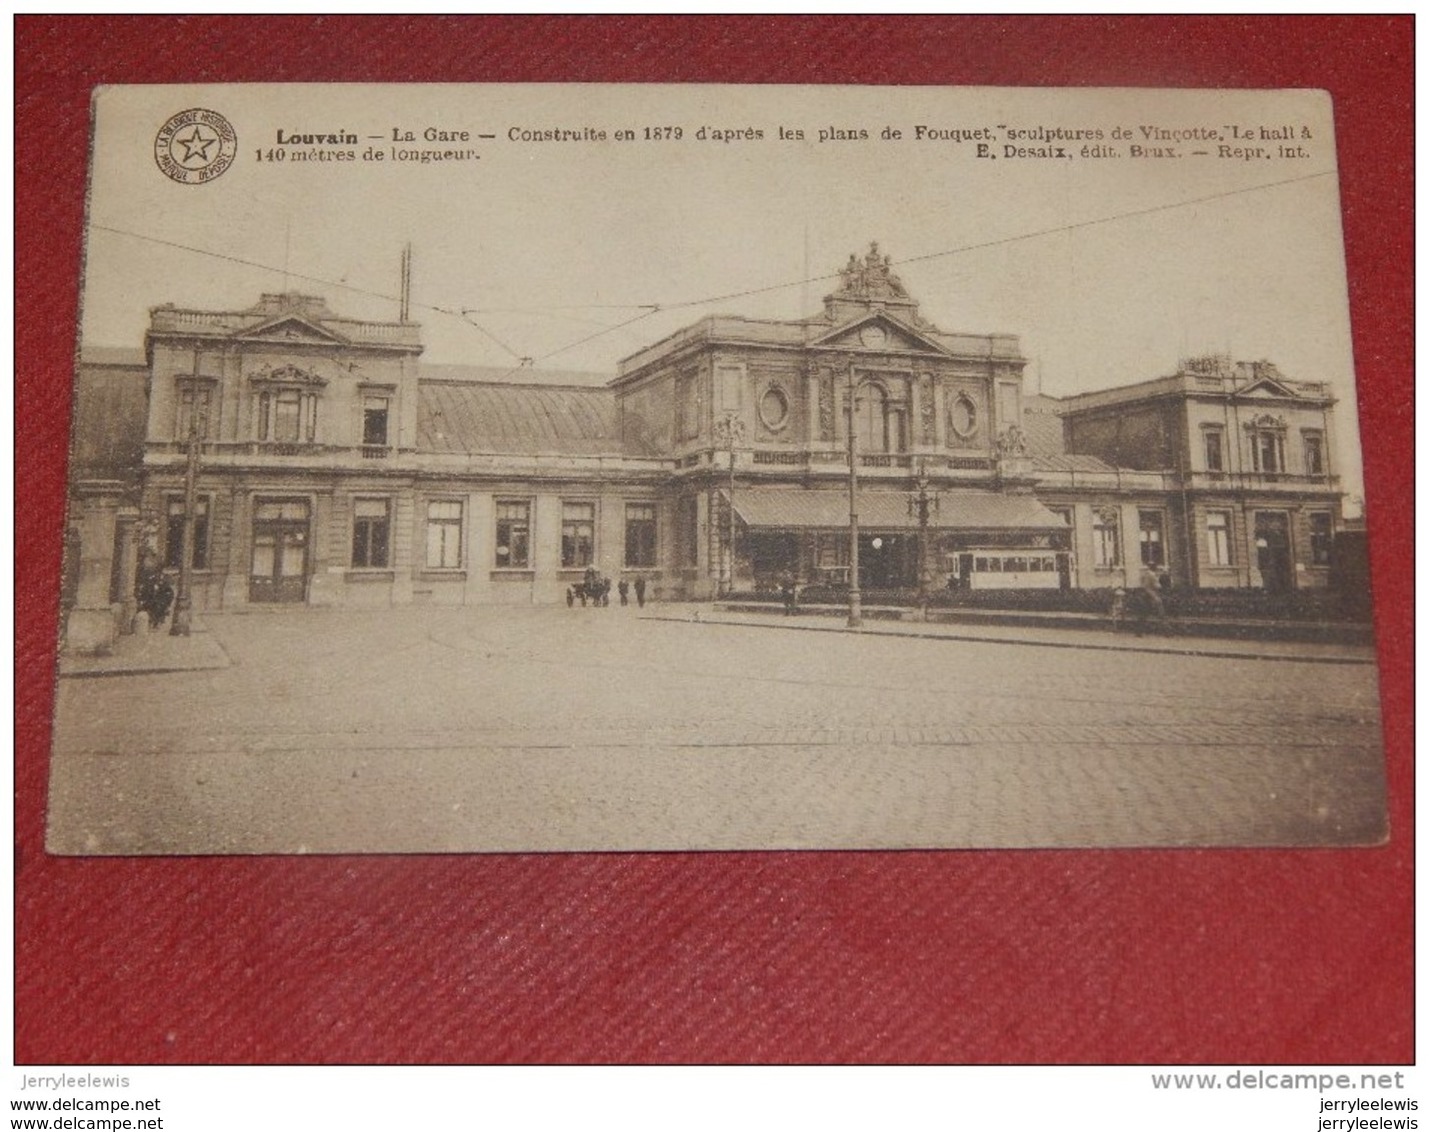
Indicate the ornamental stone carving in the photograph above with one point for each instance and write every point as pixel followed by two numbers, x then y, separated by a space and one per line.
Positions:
pixel 1011 442
pixel 870 278
pixel 927 408
pixel 826 406
pixel 285 375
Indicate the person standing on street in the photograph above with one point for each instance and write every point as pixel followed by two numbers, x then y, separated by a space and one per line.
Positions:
pixel 624 589
pixel 640 590
pixel 1151 603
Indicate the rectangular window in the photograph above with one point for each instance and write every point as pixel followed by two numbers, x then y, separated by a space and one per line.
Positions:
pixel 690 530
pixel 371 533
pixel 1269 451
pixel 1007 405
pixel 1314 454
pixel 1321 538
pixel 577 535
pixel 1218 538
pixel 513 534
pixel 640 535
pixel 1106 548
pixel 1153 550
pixel 193 413
pixel 374 422
pixel 287 411
pixel 174 534
pixel 1215 450
pixel 444 534
pixel 689 405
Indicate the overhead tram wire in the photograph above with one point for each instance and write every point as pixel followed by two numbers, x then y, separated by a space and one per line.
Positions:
pixel 656 308
pixel 1038 234
pixel 649 309
pixel 464 314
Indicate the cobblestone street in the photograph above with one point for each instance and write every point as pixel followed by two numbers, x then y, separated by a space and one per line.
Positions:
pixel 457 729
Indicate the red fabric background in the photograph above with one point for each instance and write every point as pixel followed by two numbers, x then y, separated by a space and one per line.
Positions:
pixel 1159 956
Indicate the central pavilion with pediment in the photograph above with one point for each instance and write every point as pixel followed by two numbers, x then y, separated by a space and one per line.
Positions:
pixel 946 405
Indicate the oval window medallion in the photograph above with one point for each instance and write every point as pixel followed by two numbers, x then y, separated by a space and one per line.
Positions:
pixel 963 416
pixel 774 408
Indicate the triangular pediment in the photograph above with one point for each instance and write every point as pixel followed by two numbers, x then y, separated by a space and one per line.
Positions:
pixel 293 328
pixel 879 333
pixel 1267 389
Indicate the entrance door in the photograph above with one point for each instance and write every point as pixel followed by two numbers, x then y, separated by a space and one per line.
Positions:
pixel 1272 550
pixel 280 551
pixel 1064 571
pixel 772 555
pixel 965 571
pixel 885 562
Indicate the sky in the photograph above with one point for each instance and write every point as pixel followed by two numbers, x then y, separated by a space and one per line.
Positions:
pixel 576 253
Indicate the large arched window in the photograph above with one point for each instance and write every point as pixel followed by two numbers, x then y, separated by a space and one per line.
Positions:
pixel 879 420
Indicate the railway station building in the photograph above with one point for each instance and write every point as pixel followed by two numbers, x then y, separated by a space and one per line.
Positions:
pixel 334 467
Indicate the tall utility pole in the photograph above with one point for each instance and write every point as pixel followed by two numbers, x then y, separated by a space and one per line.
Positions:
pixel 404 310
pixel 183 600
pixel 729 431
pixel 922 504
pixel 855 598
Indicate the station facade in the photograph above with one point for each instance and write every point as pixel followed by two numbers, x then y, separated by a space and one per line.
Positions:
pixel 332 466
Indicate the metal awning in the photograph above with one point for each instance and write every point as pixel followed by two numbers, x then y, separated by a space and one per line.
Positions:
pixel 807 509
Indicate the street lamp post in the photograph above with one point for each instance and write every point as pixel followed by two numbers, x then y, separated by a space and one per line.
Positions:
pixel 921 505
pixel 183 600
pixel 855 598
pixel 729 431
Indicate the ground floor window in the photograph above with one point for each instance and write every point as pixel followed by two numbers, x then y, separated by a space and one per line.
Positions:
pixel 1106 543
pixel 444 534
pixel 1321 538
pixel 689 527
pixel 174 534
pixel 577 535
pixel 513 533
pixel 640 535
pixel 1153 549
pixel 371 533
pixel 1218 538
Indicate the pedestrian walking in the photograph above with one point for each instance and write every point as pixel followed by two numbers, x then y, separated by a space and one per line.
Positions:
pixel 640 591
pixel 624 589
pixel 1150 603
pixel 1118 608
pixel 154 593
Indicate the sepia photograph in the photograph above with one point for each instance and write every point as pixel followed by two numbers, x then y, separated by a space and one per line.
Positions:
pixel 467 469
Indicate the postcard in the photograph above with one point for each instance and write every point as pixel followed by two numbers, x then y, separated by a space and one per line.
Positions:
pixel 586 468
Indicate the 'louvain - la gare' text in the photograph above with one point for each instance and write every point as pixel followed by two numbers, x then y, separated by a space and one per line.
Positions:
pixel 344 137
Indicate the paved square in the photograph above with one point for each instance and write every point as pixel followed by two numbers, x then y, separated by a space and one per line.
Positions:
pixel 457 729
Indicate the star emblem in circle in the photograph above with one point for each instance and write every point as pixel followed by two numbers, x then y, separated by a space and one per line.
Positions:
pixel 196 144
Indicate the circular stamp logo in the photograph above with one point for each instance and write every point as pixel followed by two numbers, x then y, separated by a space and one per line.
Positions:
pixel 195 146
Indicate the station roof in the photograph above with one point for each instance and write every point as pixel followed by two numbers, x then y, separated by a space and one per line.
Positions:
pixel 1046 442
pixel 466 418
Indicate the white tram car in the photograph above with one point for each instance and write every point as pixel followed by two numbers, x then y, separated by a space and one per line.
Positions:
pixel 1009 570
